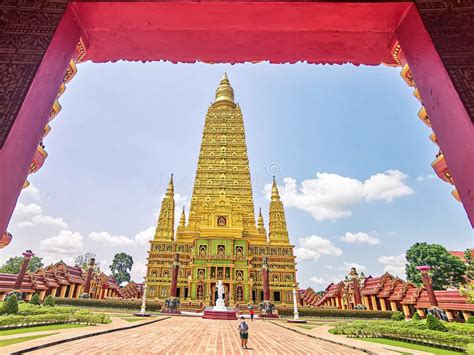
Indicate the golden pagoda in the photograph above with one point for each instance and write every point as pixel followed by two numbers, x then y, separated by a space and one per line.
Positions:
pixel 220 239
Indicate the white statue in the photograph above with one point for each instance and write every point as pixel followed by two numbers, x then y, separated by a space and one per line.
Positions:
pixel 220 304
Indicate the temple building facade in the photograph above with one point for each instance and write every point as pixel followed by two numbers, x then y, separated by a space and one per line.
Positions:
pixel 220 238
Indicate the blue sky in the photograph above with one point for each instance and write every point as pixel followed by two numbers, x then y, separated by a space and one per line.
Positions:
pixel 351 133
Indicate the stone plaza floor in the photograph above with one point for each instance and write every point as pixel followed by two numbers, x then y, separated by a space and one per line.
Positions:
pixel 191 335
pixel 183 335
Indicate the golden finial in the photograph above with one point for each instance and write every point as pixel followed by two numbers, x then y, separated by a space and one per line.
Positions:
pixel 224 94
pixel 170 189
pixel 182 221
pixel 260 224
pixel 275 193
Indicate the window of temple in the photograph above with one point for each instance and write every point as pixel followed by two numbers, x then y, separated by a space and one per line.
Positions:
pixel 200 292
pixel 221 250
pixel 164 292
pixel 239 251
pixel 240 294
pixel 277 296
pixel 239 275
pixel 202 249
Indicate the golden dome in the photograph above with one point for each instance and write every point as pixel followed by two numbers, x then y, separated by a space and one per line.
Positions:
pixel 224 94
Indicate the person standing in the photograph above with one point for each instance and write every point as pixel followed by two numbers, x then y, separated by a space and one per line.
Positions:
pixel 251 314
pixel 244 332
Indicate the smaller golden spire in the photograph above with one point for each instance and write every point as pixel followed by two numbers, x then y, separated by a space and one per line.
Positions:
pixel 224 94
pixel 275 193
pixel 170 189
pixel 260 225
pixel 182 221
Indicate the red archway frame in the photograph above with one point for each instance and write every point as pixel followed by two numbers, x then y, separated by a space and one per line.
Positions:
pixel 233 32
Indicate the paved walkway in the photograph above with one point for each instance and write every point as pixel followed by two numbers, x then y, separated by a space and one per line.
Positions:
pixel 180 335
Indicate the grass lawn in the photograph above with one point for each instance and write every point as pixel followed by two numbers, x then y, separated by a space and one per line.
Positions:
pixel 7 342
pixel 40 328
pixel 403 344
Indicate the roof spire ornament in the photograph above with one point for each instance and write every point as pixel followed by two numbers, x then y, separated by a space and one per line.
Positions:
pixel 170 189
pixel 182 220
pixel 275 193
pixel 224 94
pixel 261 225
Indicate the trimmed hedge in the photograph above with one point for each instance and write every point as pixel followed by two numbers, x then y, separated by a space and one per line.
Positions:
pixel 398 316
pixel 35 300
pixel 405 331
pixel 10 306
pixel 434 323
pixel 109 303
pixel 49 301
pixel 336 313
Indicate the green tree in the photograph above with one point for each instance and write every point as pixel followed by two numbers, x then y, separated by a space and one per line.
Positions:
pixel 11 305
pixel 83 262
pixel 35 300
pixel 446 269
pixel 12 265
pixel 121 267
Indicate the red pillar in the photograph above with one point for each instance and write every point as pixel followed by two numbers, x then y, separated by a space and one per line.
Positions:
pixel 174 276
pixel 265 280
pixel 24 265
pixel 87 286
pixel 449 118
pixel 427 283
pixel 22 142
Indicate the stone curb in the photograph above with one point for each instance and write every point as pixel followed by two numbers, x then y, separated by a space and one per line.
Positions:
pixel 62 341
pixel 324 339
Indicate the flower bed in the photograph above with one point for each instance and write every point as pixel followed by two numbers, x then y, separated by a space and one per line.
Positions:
pixel 109 303
pixel 407 331
pixel 336 313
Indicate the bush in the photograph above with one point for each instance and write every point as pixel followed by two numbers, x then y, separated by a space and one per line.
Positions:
pixel 109 303
pixel 49 301
pixel 434 323
pixel 404 331
pixel 470 349
pixel 335 313
pixel 35 300
pixel 416 316
pixel 470 320
pixel 10 306
pixel 398 316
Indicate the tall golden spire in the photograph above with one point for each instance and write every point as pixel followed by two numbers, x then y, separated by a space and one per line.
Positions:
pixel 182 221
pixel 261 225
pixel 222 194
pixel 277 231
pixel 224 94
pixel 165 226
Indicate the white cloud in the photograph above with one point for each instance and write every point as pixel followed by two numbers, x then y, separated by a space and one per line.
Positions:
pixel 65 246
pixel 386 186
pixel 145 236
pixel 140 238
pixel 112 240
pixel 138 270
pixel 319 280
pixel 394 264
pixel 31 193
pixel 332 196
pixel 312 247
pixel 31 215
pixel 426 177
pixel 360 238
pixel 359 267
